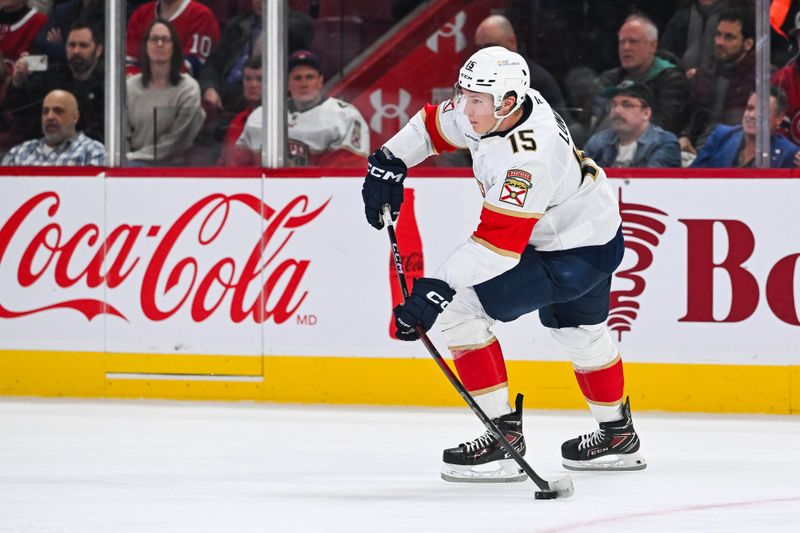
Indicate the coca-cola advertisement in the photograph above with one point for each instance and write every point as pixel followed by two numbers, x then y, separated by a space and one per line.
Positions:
pixel 288 266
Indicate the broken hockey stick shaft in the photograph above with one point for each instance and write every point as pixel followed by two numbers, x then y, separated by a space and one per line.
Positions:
pixel 560 488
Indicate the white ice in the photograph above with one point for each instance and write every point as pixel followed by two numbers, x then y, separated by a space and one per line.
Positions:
pixel 142 466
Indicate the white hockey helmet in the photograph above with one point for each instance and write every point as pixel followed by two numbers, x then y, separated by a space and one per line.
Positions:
pixel 497 71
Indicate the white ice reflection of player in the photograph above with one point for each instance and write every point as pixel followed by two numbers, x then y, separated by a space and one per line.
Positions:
pixel 548 239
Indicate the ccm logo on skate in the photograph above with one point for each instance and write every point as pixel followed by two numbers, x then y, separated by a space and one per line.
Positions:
pixel 385 175
pixel 437 299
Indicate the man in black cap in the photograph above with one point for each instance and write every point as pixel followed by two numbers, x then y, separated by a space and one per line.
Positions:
pixel 322 131
pixel 633 140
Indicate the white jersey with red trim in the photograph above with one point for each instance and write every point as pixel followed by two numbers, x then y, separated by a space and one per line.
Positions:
pixel 194 23
pixel 538 189
pixel 332 133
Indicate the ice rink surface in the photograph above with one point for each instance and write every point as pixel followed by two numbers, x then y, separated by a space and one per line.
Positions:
pixel 143 466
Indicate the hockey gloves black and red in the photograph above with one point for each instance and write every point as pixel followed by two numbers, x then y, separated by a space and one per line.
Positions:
pixel 429 297
pixel 383 185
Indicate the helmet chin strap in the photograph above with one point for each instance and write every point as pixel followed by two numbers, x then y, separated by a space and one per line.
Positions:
pixel 496 125
pixel 501 119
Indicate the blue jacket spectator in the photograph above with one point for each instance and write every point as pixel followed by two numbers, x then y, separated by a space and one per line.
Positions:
pixel 735 146
pixel 656 147
pixel 725 144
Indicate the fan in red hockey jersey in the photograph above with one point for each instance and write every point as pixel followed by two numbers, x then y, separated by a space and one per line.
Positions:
pixel 194 22
pixel 19 25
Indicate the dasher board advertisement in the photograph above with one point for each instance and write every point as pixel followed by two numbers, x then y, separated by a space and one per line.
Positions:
pixel 248 266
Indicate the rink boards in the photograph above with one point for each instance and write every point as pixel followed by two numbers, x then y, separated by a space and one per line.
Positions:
pixel 236 286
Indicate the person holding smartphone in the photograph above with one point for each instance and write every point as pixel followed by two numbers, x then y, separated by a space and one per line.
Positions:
pixel 82 75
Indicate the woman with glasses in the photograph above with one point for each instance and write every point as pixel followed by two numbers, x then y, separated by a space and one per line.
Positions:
pixel 163 103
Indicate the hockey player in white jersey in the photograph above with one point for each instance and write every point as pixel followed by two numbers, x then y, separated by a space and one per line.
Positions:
pixel 549 239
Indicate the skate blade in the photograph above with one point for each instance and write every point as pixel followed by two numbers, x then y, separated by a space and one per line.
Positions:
pixel 614 462
pixel 503 471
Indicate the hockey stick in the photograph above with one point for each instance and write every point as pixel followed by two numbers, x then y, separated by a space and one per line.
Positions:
pixel 560 488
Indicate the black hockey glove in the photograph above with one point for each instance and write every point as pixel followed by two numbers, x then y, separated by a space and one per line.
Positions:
pixel 428 298
pixel 383 185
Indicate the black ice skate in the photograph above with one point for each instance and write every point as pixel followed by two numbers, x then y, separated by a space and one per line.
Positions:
pixel 483 460
pixel 615 446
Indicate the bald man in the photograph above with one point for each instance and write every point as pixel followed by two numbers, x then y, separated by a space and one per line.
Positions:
pixel 59 116
pixel 61 145
pixel 496 30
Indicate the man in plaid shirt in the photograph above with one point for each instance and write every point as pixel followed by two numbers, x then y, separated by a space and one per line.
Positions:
pixel 61 144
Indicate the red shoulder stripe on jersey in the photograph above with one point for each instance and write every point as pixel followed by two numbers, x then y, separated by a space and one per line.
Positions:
pixel 506 231
pixel 440 143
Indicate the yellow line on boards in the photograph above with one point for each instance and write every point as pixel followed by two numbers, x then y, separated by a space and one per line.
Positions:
pixel 382 381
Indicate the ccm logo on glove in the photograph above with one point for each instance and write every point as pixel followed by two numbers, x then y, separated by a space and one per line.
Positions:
pixel 385 174
pixel 438 299
pixel 383 185
pixel 429 297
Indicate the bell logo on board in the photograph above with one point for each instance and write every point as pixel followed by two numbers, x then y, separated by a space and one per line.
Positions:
pixel 454 30
pixel 394 110
pixel 642 228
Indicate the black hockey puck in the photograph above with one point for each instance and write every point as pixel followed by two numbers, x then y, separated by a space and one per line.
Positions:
pixel 545 495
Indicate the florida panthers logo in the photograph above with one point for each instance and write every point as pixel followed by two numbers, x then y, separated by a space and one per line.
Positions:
pixel 298 153
pixel 642 230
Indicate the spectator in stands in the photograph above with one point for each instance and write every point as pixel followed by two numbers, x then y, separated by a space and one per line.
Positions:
pixel 221 77
pixel 195 25
pixel 164 112
pixel 639 61
pixel 632 140
pixel 496 30
pixel 719 93
pixel 735 146
pixel 322 131
pixel 61 145
pixel 251 88
pixel 691 32
pixel 788 79
pixel 224 10
pixel 83 76
pixel 51 39
pixel 19 25
pixel 9 130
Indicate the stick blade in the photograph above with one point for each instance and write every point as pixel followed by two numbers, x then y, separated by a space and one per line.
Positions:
pixel 560 488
